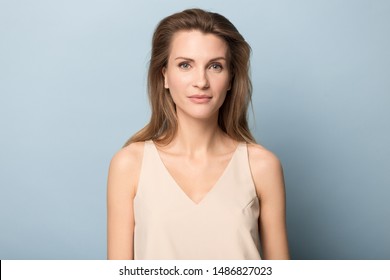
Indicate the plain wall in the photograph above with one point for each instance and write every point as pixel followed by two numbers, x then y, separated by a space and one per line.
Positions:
pixel 73 89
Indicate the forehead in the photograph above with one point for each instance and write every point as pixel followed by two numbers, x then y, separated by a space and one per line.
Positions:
pixel 195 44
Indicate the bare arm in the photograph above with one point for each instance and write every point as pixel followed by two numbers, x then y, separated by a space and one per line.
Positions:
pixel 268 177
pixel 121 188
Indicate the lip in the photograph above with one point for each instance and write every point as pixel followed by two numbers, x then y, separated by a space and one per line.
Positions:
pixel 199 96
pixel 199 99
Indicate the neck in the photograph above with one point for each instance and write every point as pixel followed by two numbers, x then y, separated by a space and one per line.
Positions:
pixel 197 137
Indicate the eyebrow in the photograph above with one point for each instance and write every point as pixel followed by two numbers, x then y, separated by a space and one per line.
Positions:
pixel 190 59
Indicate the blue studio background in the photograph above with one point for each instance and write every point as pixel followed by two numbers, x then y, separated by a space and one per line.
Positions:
pixel 72 90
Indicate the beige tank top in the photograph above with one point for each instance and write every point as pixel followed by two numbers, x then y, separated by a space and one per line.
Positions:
pixel 169 225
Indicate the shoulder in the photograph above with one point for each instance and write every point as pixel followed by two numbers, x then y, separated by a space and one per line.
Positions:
pixel 128 156
pixel 261 158
pixel 265 166
pixel 125 167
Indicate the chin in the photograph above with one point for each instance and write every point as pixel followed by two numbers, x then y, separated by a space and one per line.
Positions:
pixel 203 116
pixel 198 113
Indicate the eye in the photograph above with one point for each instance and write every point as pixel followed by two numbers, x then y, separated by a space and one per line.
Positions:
pixel 184 65
pixel 216 67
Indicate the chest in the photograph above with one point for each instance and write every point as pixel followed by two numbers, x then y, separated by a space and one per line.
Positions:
pixel 196 178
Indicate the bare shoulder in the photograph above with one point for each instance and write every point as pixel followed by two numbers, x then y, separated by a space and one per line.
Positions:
pixel 128 156
pixel 266 168
pixel 125 167
pixel 261 158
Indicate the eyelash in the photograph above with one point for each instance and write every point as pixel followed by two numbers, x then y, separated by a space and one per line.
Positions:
pixel 182 64
pixel 186 65
pixel 217 65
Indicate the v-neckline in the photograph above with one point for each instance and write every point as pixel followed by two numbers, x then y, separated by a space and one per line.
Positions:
pixel 210 191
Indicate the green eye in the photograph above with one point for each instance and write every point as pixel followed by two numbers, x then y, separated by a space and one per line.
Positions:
pixel 184 65
pixel 216 66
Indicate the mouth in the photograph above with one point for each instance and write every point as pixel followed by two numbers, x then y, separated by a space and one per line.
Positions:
pixel 200 98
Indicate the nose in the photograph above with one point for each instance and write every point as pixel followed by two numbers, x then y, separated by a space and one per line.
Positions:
pixel 201 80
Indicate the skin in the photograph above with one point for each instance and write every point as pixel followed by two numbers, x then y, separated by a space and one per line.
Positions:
pixel 200 151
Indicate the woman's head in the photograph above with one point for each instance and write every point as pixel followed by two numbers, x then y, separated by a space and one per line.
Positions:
pixel 232 117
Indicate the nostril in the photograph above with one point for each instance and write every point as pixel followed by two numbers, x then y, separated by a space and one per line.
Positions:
pixel 202 81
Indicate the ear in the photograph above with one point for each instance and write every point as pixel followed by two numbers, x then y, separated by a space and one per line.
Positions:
pixel 163 71
pixel 230 84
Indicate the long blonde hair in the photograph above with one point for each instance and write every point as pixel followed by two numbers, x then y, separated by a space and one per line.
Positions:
pixel 232 118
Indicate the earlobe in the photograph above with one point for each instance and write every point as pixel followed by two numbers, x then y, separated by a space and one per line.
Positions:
pixel 230 86
pixel 230 82
pixel 165 78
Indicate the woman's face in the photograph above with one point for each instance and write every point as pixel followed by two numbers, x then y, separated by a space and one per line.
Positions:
pixel 197 74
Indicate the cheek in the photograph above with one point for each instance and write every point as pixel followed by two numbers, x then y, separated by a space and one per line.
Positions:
pixel 223 84
pixel 175 81
pixel 177 88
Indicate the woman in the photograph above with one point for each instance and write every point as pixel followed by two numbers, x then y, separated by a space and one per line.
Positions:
pixel 193 184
